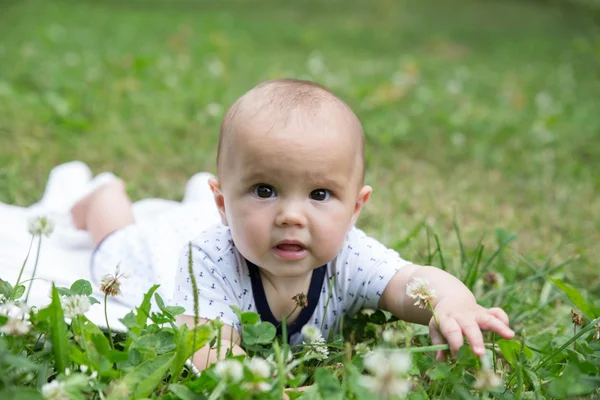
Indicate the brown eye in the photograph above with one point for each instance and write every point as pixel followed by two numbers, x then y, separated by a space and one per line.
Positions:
pixel 264 191
pixel 320 194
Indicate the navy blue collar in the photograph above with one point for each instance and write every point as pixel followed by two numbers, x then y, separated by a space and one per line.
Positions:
pixel 262 305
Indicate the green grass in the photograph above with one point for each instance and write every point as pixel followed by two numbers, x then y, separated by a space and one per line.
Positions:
pixel 483 111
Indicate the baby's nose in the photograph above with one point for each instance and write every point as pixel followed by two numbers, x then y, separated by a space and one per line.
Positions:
pixel 291 214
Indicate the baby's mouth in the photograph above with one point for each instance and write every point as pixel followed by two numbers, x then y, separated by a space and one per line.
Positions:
pixel 290 250
pixel 289 247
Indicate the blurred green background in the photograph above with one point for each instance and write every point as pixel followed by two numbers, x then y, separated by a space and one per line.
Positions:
pixel 483 111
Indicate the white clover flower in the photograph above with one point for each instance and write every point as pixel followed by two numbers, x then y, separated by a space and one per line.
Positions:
pixel 367 311
pixel 311 332
pixel 317 352
pixel 75 305
pixel 18 319
pixel 55 390
pixel 83 368
pixel 315 340
pixel 15 327
pixel 41 226
pixel 391 336
pixel 487 379
pixel 362 349
pixel 259 367
pixel 419 290
pixel 230 370
pixel 16 311
pixel 261 386
pixel 384 388
pixel 389 371
pixel 94 375
pixel 288 359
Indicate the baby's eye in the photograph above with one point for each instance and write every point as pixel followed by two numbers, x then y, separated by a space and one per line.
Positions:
pixel 264 191
pixel 320 194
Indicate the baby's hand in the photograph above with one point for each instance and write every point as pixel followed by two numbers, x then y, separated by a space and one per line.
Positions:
pixel 464 317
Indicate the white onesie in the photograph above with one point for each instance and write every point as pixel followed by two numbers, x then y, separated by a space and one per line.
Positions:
pixel 359 274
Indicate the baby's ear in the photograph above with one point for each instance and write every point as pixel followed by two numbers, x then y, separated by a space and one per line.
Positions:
pixel 215 187
pixel 361 199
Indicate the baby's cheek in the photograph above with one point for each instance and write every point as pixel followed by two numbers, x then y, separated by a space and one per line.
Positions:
pixel 252 235
pixel 332 239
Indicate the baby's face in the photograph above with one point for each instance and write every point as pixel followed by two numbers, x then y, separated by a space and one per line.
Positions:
pixel 290 193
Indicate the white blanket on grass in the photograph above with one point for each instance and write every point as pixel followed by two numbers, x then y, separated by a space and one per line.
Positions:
pixel 65 255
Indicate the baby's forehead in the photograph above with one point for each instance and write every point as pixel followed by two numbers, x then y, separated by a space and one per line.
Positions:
pixel 284 112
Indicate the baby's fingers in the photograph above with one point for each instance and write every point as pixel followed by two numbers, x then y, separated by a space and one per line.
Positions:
pixel 453 333
pixel 436 338
pixel 499 313
pixel 471 329
pixel 496 321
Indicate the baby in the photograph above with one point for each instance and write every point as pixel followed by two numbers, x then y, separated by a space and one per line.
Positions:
pixel 289 189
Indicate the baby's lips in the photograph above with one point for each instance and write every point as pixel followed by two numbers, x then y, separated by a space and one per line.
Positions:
pixel 289 247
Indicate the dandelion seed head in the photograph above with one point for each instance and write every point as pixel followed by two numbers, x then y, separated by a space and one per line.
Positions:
pixel 301 300
pixel 576 317
pixel 110 284
pixel 493 278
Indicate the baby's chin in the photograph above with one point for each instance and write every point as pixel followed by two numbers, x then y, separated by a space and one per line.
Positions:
pixel 288 269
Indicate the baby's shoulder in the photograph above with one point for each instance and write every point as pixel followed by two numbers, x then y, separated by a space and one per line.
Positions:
pixel 214 252
pixel 216 242
pixel 362 249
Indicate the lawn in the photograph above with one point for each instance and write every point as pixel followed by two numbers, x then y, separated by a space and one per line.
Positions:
pixel 481 115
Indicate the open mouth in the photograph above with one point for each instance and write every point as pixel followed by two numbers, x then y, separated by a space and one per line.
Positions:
pixel 290 250
pixel 289 247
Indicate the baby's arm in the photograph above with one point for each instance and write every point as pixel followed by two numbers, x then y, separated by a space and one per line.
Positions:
pixel 455 307
pixel 205 357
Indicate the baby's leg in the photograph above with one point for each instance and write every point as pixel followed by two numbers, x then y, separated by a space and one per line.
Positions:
pixel 103 211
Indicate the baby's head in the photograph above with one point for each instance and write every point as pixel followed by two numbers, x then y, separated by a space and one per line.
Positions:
pixel 290 175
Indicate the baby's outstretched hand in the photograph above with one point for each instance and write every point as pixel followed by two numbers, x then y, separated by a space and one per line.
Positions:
pixel 465 318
